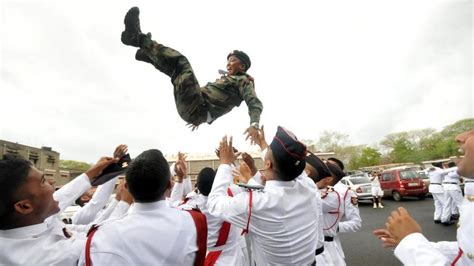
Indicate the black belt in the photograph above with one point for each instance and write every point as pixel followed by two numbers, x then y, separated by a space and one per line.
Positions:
pixel 468 181
pixel 450 183
pixel 328 238
pixel 319 251
pixel 435 183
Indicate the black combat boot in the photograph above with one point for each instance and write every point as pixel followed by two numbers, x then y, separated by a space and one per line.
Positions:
pixel 131 34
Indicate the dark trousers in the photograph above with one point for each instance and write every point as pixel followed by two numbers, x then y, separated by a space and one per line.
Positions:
pixel 189 100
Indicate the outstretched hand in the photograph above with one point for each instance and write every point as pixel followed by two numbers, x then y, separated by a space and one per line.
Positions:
pixel 97 169
pixel 249 162
pixel 181 167
pixel 226 151
pixel 192 126
pixel 399 225
pixel 252 133
pixel 242 173
pixel 120 151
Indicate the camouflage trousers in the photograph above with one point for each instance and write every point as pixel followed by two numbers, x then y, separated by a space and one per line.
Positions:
pixel 189 100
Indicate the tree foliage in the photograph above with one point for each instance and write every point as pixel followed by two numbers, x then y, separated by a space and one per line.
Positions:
pixel 73 165
pixel 412 146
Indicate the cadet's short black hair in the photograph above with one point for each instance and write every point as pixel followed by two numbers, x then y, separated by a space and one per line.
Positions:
pixel 205 179
pixel 13 173
pixel 451 164
pixel 337 161
pixel 438 164
pixel 336 172
pixel 148 176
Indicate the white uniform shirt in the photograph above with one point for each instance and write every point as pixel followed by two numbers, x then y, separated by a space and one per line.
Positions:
pixel 436 180
pixel 415 249
pixel 88 213
pixel 283 224
pixel 231 251
pixel 151 234
pixel 451 179
pixel 374 181
pixel 46 243
pixel 351 221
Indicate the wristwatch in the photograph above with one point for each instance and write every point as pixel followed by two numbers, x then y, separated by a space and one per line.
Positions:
pixel 255 125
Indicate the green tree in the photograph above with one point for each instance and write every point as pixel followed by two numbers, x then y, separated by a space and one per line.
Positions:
pixel 73 165
pixel 368 157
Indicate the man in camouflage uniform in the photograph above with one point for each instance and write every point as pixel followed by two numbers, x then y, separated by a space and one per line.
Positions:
pixel 195 104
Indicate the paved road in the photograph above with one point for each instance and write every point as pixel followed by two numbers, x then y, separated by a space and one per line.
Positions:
pixel 363 248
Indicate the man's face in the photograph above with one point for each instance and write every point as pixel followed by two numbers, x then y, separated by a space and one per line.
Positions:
pixel 466 144
pixel 39 194
pixel 234 65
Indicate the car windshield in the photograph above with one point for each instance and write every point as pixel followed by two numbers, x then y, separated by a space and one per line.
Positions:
pixel 360 180
pixel 409 174
pixel 423 175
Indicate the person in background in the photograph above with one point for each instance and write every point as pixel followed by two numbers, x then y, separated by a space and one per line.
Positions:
pixel 405 234
pixel 377 192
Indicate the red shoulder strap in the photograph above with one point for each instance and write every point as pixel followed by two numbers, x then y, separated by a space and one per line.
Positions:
pixel 90 235
pixel 457 257
pixel 212 256
pixel 246 230
pixel 201 229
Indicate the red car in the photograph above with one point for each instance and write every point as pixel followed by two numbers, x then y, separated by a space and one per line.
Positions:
pixel 400 182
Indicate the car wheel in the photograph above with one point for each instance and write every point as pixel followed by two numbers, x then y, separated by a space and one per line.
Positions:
pixel 422 196
pixel 396 196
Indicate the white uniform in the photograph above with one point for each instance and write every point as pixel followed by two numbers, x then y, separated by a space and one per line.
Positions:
pixel 350 221
pixel 333 203
pixel 437 191
pixel 282 225
pixel 323 258
pixel 376 189
pixel 231 250
pixel 46 243
pixel 88 213
pixel 452 193
pixel 415 249
pixel 151 234
pixel 468 186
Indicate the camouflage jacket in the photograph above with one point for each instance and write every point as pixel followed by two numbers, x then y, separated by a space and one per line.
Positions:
pixel 229 91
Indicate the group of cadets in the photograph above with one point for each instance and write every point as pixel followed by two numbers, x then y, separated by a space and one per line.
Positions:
pixel 447 194
pixel 290 212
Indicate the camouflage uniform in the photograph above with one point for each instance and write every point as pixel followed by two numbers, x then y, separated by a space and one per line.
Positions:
pixel 192 101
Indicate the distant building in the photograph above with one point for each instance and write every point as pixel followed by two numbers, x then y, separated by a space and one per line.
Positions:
pixel 44 159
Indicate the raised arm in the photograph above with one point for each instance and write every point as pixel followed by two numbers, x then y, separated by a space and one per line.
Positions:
pixel 231 209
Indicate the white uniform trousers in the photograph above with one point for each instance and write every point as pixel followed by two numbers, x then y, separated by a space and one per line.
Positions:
pixel 333 251
pixel 452 194
pixel 439 201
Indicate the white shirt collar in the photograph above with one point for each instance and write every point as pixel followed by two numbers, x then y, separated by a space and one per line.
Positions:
pixel 25 231
pixel 278 183
pixel 148 206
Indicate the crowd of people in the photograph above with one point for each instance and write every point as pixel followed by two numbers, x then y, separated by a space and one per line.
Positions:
pixel 291 212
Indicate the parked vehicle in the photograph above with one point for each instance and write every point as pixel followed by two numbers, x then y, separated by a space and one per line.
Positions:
pixel 360 184
pixel 402 181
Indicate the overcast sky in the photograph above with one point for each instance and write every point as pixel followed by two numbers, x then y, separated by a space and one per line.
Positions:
pixel 365 68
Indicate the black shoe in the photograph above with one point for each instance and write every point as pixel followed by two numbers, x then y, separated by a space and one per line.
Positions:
pixel 437 221
pixel 448 223
pixel 455 217
pixel 130 36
